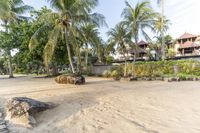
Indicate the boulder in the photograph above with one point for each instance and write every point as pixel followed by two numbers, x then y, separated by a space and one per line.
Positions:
pixel 173 79
pixel 132 78
pixel 70 79
pixel 22 110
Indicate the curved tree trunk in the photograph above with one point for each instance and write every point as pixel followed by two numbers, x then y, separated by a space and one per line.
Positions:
pixel 69 52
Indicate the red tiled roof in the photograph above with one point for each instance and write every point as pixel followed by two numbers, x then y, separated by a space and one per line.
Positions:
pixel 187 35
pixel 142 43
pixel 189 44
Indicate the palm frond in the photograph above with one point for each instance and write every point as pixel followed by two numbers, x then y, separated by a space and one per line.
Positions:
pixel 51 44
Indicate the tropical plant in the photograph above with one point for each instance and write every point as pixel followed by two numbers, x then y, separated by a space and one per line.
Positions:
pixel 119 38
pixel 64 24
pixel 90 37
pixel 12 11
pixel 161 25
pixel 138 19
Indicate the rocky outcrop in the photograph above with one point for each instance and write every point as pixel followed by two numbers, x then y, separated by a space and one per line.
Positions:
pixel 21 110
pixel 70 79
pixel 3 125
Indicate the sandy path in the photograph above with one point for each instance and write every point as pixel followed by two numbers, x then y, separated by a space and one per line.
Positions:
pixel 106 106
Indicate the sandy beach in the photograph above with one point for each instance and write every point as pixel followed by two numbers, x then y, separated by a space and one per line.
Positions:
pixel 107 106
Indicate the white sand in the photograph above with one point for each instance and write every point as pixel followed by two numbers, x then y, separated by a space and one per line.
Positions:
pixel 106 106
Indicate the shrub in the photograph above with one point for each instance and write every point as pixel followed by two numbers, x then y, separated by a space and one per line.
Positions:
pixel 116 75
pixel 161 68
pixel 106 74
pixel 182 76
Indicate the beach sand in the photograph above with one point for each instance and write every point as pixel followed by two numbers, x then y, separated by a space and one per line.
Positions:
pixel 107 106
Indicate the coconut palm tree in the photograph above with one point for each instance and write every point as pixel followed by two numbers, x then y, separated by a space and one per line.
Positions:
pixel 90 37
pixel 138 19
pixel 64 21
pixel 161 25
pixel 158 25
pixel 119 38
pixel 11 11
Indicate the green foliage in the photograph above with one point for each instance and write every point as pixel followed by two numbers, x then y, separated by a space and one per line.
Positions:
pixel 182 76
pixel 116 75
pixel 119 69
pixel 106 74
pixel 109 60
pixel 161 68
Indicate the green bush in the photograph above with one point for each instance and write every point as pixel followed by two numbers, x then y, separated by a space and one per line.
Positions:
pixel 180 68
pixel 106 74
pixel 116 75
pixel 182 76
pixel 161 68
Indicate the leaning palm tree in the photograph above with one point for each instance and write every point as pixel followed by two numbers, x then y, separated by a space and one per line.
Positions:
pixel 118 38
pixel 63 22
pixel 11 11
pixel 138 19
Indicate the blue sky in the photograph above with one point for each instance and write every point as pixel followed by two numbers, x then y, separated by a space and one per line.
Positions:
pixel 183 15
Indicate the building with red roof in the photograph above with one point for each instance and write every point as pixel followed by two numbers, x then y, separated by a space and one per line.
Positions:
pixel 141 50
pixel 187 44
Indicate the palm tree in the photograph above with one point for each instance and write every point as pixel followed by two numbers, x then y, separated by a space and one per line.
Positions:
pixel 158 25
pixel 10 12
pixel 90 36
pixel 138 19
pixel 161 25
pixel 119 38
pixel 68 16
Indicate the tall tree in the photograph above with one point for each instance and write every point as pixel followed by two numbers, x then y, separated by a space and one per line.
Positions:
pixel 68 14
pixel 119 38
pixel 11 11
pixel 161 25
pixel 90 37
pixel 138 19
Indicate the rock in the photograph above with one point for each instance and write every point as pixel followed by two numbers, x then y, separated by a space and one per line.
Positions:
pixel 189 78
pixel 173 79
pixel 195 79
pixel 3 127
pixel 133 78
pixel 128 79
pixel 21 110
pixel 159 78
pixel 70 79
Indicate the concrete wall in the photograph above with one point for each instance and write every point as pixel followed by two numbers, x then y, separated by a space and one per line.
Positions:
pixel 98 70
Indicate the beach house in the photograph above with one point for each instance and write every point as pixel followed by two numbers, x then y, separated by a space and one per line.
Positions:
pixel 187 45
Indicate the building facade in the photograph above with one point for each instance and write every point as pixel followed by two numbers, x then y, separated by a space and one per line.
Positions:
pixel 187 45
pixel 141 51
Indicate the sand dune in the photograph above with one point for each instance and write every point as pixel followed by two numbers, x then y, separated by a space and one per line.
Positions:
pixel 106 106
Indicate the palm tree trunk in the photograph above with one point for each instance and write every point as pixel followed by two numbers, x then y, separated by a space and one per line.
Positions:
pixel 135 53
pixel 69 52
pixel 86 58
pixel 125 68
pixel 78 59
pixel 10 64
pixel 99 50
pixel 9 57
